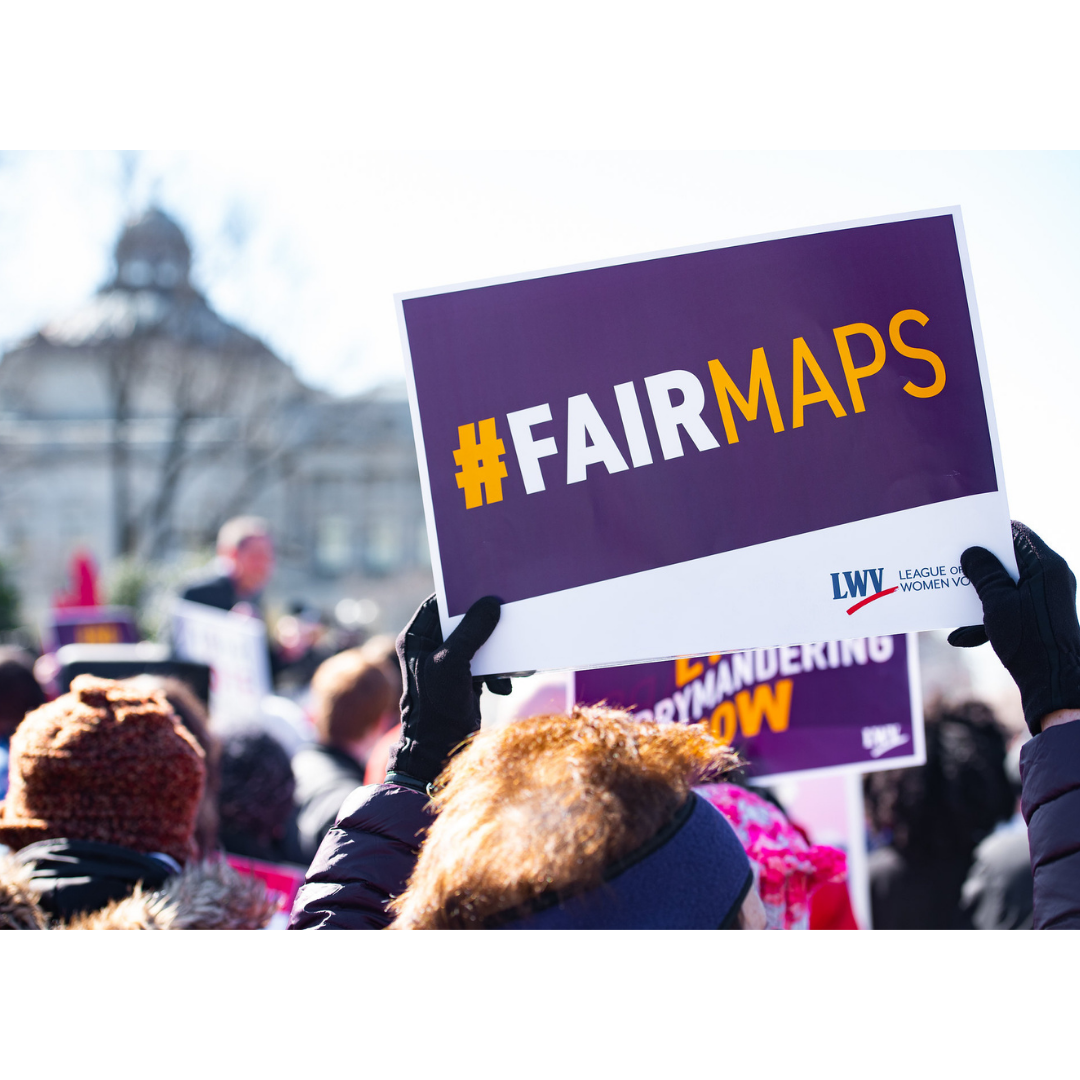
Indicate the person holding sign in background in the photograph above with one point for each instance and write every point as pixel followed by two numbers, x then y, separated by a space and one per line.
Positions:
pixel 244 565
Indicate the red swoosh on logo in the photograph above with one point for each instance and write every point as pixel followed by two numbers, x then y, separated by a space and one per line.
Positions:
pixel 876 596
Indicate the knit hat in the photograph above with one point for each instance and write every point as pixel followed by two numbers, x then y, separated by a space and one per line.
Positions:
pixel 105 762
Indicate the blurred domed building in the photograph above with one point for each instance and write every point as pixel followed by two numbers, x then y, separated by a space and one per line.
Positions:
pixel 137 424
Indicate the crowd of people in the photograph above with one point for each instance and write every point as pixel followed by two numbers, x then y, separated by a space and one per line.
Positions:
pixel 127 807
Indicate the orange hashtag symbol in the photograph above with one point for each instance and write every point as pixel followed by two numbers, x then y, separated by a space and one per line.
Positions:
pixel 480 463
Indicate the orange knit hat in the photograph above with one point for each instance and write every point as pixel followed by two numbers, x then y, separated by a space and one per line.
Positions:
pixel 105 762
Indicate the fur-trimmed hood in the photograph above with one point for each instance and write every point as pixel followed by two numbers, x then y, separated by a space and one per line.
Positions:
pixel 205 896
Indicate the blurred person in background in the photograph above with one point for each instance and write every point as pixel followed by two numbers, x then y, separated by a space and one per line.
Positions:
pixel 20 693
pixel 933 817
pixel 244 564
pixel 302 633
pixel 255 804
pixel 999 893
pixel 382 650
pixel 242 569
pixel 100 818
pixel 350 697
pixel 789 870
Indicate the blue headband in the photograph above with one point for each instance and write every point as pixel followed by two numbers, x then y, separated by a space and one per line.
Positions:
pixel 693 875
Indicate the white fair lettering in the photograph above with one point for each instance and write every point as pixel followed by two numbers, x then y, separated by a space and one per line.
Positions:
pixel 669 417
pixel 528 451
pixel 583 423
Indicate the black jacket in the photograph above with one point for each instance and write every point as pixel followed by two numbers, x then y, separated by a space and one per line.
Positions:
pixel 915 895
pixel 998 893
pixel 365 860
pixel 1050 772
pixel 219 592
pixel 74 876
pixel 325 777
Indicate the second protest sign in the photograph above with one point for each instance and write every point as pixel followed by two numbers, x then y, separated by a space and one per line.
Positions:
pixel 827 707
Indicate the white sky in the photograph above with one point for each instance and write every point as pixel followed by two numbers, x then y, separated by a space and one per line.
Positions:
pixel 342 157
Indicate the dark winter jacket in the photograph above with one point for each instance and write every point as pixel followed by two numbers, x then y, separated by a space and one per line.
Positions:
pixel 325 777
pixel 998 893
pixel 364 861
pixel 1050 771
pixel 915 895
pixel 218 591
pixel 75 876
pixel 81 885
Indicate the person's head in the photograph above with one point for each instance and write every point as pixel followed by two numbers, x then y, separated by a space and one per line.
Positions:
pixel 591 814
pixel 349 696
pixel 245 544
pixel 19 690
pixel 943 809
pixel 256 794
pixel 109 763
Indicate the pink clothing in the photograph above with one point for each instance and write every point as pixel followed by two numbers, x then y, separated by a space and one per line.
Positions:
pixel 788 869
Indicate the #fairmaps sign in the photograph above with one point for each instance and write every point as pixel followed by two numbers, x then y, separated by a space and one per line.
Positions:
pixel 737 446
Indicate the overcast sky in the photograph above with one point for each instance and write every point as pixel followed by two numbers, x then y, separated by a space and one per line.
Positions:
pixel 350 156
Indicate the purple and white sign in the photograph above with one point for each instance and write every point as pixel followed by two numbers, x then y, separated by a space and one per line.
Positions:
pixel 770 441
pixel 90 626
pixel 832 706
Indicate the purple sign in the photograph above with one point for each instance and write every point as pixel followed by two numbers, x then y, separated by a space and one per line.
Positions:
pixel 587 425
pixel 837 705
pixel 91 626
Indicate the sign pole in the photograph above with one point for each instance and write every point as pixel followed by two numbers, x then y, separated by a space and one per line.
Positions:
pixel 857 863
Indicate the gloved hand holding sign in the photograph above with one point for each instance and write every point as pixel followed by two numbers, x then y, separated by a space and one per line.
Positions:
pixel 1031 624
pixel 440 708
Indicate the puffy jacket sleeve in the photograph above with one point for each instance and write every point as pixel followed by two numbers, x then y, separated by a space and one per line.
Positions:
pixel 1050 772
pixel 363 861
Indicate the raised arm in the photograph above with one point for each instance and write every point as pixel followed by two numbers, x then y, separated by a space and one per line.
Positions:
pixel 1033 628
pixel 369 854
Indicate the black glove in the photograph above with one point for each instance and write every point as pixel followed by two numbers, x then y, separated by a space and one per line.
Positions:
pixel 1032 625
pixel 440 707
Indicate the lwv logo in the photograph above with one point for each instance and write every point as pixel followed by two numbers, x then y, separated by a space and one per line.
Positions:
pixel 855 584
pixel 880 740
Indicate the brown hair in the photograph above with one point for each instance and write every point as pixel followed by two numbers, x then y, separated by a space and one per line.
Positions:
pixel 348 694
pixel 547 804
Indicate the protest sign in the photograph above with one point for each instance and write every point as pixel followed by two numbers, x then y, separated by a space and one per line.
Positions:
pixel 90 626
pixel 766 442
pixel 828 707
pixel 234 646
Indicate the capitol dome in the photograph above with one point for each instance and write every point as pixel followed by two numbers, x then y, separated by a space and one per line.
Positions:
pixel 152 252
